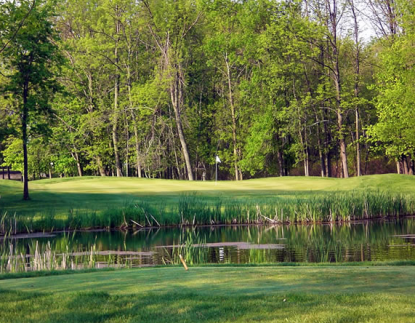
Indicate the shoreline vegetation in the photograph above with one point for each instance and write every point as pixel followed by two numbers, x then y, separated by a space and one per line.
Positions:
pixel 139 215
pixel 276 201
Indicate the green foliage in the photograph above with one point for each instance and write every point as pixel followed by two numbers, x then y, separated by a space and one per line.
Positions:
pixel 396 93
pixel 268 86
pixel 31 54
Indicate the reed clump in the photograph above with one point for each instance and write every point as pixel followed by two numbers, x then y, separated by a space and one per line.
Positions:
pixel 193 209
pixel 192 247
pixel 331 207
pixel 15 258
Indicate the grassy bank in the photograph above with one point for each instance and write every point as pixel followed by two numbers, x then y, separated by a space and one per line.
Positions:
pixel 215 294
pixel 89 202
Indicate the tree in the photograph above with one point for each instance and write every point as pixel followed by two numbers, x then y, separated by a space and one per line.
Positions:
pixel 171 23
pixel 395 129
pixel 31 55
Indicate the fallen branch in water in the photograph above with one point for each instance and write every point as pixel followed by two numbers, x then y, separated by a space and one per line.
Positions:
pixel 136 223
pixel 155 220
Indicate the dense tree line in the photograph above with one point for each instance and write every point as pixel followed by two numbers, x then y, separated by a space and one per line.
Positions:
pixel 158 88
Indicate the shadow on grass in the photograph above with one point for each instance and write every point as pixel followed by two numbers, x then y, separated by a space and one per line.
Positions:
pixel 187 306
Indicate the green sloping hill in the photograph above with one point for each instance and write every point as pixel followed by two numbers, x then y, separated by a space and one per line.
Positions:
pixel 100 192
pixel 80 201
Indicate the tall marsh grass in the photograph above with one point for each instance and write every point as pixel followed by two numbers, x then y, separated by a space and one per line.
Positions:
pixel 15 258
pixel 192 209
pixel 191 246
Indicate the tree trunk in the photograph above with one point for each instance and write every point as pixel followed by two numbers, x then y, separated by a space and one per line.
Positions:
pixel 137 143
pixel 137 146
pixel 342 142
pixel 280 163
pixel 358 158
pixel 328 164
pixel 405 165
pixel 306 155
pixel 356 86
pixel 231 103
pixel 100 167
pixel 174 76
pixel 24 137
pixel 116 112
pixel 320 150
pixel 280 155
pixel 327 141
pixel 127 148
pixel 332 24
pixel 78 164
pixel 176 98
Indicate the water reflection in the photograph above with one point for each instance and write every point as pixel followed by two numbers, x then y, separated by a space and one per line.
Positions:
pixel 365 241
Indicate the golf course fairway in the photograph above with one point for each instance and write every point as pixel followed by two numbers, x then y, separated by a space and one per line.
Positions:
pixel 215 294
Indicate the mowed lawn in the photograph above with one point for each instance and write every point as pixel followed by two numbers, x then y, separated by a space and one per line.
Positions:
pixel 215 294
pixel 98 193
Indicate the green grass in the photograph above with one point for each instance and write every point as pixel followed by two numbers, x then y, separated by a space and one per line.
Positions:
pixel 90 202
pixel 215 294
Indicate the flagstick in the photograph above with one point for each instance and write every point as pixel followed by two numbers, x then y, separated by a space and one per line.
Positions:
pixel 217 160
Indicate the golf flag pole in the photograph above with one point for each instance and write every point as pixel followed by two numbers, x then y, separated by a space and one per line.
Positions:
pixel 217 160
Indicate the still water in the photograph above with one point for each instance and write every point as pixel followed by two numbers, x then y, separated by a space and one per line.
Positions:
pixel 364 241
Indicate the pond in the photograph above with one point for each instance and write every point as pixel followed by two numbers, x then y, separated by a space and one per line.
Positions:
pixel 362 241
